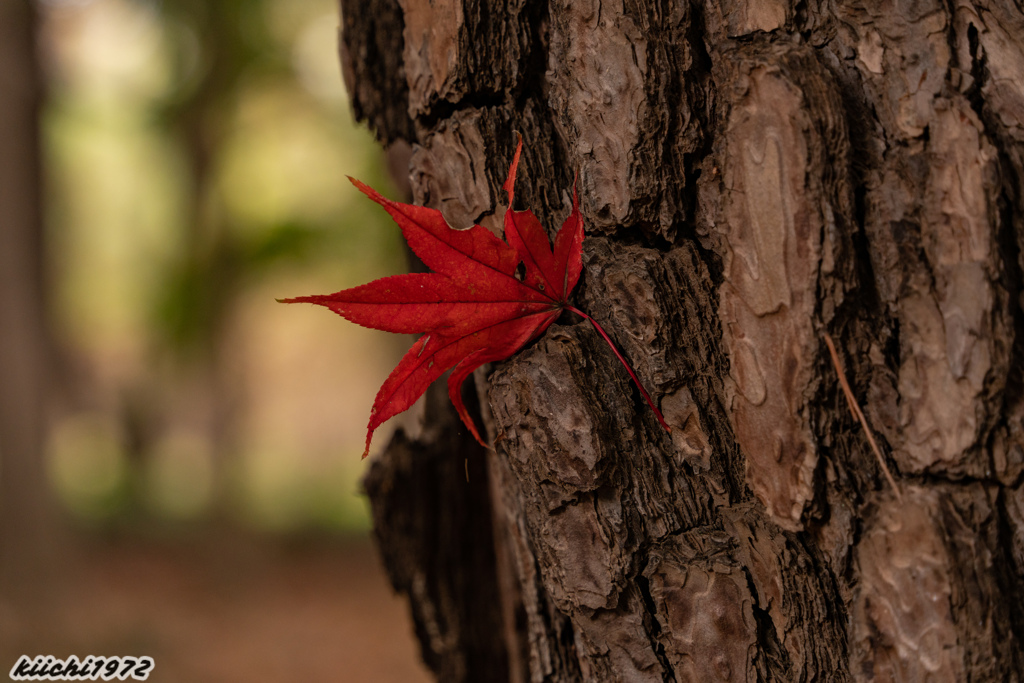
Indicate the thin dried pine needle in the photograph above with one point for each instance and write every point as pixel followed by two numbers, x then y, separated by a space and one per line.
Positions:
pixel 855 409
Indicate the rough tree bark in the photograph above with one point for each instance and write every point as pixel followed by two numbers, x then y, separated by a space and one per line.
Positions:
pixel 755 174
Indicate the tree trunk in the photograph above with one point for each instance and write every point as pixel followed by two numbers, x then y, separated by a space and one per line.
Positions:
pixel 755 177
pixel 28 516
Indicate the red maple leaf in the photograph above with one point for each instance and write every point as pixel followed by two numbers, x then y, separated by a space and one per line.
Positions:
pixel 472 309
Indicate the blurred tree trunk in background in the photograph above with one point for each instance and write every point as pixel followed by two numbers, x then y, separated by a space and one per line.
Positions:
pixel 27 514
pixel 754 175
pixel 201 284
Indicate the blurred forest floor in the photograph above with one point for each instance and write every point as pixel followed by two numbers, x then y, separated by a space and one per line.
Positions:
pixel 222 608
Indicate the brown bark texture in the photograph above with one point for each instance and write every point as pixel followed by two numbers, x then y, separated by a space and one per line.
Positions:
pixel 754 175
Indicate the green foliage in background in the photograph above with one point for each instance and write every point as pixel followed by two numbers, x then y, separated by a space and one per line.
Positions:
pixel 197 159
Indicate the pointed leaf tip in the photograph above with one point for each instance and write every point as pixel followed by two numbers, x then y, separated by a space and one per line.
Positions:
pixel 510 182
pixel 314 299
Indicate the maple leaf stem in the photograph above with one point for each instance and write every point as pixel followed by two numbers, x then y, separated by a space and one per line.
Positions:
pixel 625 364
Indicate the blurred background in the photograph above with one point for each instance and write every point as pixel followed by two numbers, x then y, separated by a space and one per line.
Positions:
pixel 179 453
